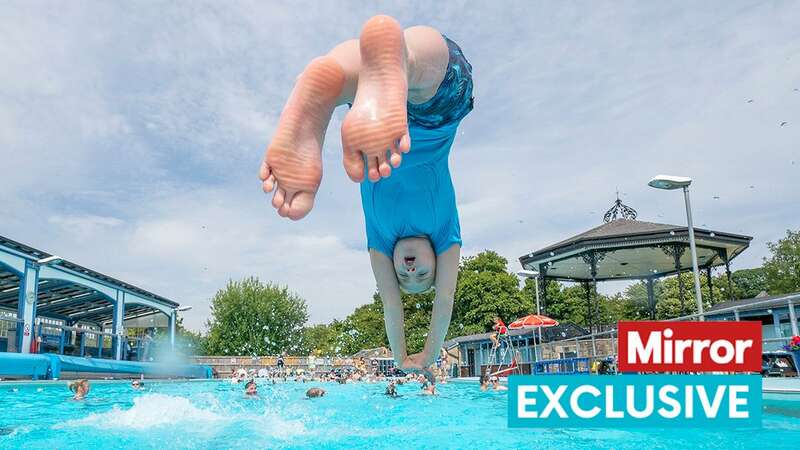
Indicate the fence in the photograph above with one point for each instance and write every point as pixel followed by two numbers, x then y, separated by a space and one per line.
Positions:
pixel 602 345
pixel 225 366
pixel 52 337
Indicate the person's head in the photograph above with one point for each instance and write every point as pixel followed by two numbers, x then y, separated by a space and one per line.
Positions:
pixel 137 384
pixel 414 264
pixel 484 381
pixel 315 392
pixel 494 381
pixel 251 388
pixel 79 387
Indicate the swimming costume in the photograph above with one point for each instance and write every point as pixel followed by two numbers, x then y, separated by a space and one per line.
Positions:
pixel 418 199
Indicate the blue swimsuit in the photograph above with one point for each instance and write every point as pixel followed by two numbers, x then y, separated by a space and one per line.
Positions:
pixel 418 199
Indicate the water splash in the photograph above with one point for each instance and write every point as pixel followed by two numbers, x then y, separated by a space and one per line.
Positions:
pixel 151 410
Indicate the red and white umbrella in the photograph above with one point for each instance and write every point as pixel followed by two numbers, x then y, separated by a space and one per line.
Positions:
pixel 533 321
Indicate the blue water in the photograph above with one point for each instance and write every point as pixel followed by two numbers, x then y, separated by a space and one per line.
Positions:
pixel 217 415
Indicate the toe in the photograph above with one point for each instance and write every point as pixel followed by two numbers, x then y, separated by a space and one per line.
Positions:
pixel 395 157
pixel 373 173
pixel 383 167
pixel 354 165
pixel 301 204
pixel 264 171
pixel 405 143
pixel 267 177
pixel 269 184
pixel 278 198
pixel 283 211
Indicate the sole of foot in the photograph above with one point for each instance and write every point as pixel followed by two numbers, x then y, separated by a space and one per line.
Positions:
pixel 292 166
pixel 375 130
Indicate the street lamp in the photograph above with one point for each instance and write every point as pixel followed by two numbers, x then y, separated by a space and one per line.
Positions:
pixel 183 308
pixel 669 182
pixel 50 260
pixel 532 274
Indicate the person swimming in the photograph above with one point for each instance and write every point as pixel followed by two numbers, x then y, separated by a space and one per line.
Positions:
pixel 428 388
pixel 80 388
pixel 484 381
pixel 391 390
pixel 251 388
pixel 496 386
pixel 315 392
pixel 137 384
pixel 408 91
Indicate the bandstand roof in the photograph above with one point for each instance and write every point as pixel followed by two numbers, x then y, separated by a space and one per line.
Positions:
pixel 626 248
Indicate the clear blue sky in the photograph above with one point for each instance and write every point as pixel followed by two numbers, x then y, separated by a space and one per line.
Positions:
pixel 131 133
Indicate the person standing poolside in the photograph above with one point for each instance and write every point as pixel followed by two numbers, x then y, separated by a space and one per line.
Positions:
pixel 409 90
pixel 80 388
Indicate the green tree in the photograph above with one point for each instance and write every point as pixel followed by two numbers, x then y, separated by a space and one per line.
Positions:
pixel 362 329
pixel 485 289
pixel 782 268
pixel 249 317
pixel 567 303
pixel 668 304
pixel 320 339
pixel 747 283
pixel 190 342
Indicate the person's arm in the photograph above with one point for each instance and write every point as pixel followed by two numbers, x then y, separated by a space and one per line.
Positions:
pixel 385 277
pixel 446 277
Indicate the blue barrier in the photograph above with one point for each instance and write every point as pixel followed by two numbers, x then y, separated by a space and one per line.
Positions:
pixel 19 364
pixel 562 366
pixel 51 366
pixel 62 363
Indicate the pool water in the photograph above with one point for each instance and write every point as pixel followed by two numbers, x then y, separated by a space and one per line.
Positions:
pixel 216 414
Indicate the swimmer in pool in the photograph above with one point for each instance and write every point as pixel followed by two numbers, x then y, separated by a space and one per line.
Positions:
pixel 315 392
pixel 409 90
pixel 251 388
pixel 80 388
pixel 496 386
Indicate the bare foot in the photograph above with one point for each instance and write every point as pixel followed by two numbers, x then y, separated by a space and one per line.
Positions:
pixel 293 161
pixel 377 123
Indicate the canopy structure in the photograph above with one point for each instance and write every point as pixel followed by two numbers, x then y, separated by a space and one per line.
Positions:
pixel 623 248
pixel 38 287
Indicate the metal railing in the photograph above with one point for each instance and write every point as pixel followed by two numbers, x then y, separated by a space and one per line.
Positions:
pixel 602 345
pixel 79 341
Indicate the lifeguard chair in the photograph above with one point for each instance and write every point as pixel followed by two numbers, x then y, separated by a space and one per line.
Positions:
pixel 502 352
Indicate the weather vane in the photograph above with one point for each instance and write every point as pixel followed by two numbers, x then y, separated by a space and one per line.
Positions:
pixel 619 211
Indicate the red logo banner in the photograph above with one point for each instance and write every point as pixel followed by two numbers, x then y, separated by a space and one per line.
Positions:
pixel 689 346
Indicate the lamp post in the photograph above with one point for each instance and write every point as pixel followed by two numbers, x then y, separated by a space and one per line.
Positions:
pixel 669 182
pixel 532 274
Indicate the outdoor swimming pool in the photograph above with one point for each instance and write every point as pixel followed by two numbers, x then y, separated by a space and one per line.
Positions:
pixel 216 414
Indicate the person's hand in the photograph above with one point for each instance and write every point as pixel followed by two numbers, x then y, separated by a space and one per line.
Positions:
pixel 417 364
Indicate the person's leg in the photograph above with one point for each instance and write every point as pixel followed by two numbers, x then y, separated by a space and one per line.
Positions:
pixel 292 166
